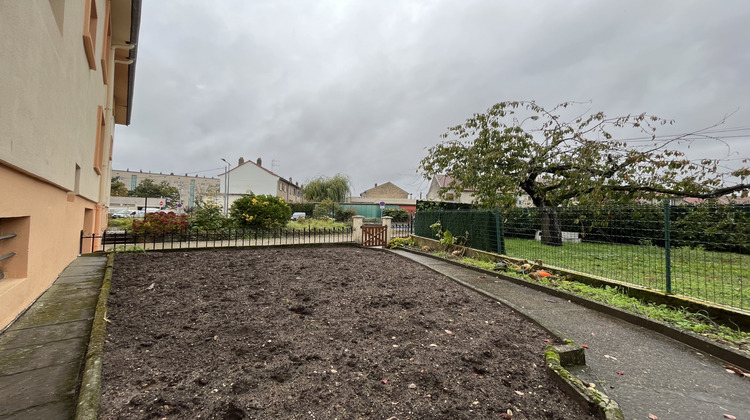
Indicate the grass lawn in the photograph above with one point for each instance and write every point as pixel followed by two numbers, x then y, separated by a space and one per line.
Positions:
pixel 718 277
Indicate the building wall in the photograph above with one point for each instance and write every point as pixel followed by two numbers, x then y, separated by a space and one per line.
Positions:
pixel 387 190
pixel 191 187
pixel 56 130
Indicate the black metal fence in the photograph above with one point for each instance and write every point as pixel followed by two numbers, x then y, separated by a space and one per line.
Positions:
pixel 200 238
pixel 701 252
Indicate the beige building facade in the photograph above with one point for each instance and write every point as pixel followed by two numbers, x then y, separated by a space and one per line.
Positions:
pixel 66 78
pixel 191 188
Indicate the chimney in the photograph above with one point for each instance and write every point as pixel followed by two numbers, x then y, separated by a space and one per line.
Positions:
pixel 259 162
pixel 376 184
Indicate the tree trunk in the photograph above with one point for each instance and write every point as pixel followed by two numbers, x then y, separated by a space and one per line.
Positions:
pixel 551 231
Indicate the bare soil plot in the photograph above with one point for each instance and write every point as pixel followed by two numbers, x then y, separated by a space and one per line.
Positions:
pixel 315 333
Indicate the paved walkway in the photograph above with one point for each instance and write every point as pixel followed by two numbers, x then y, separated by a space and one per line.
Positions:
pixel 660 376
pixel 42 352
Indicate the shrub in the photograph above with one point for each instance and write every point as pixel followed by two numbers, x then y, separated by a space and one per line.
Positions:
pixel 208 216
pixel 329 208
pixel 398 215
pixel 260 212
pixel 401 243
pixel 161 223
pixel 326 208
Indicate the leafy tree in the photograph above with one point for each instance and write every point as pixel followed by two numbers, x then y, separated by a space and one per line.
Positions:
pixel 147 188
pixel 260 212
pixel 336 188
pixel 117 187
pixel 558 161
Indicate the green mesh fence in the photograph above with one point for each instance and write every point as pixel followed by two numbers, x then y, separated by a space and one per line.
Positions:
pixel 474 228
pixel 701 252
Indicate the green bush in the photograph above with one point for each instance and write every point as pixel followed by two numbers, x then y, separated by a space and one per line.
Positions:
pixel 401 243
pixel 332 210
pixel 260 212
pixel 125 223
pixel 398 215
pixel 208 216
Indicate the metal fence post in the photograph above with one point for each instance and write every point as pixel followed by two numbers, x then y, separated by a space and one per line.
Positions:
pixel 667 250
pixel 499 232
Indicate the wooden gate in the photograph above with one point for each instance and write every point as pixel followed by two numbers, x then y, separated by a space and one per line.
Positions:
pixel 374 236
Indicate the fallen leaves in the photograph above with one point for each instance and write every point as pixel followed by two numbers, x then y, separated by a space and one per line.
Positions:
pixel 606 356
pixel 652 416
pixel 620 372
pixel 737 371
pixel 730 417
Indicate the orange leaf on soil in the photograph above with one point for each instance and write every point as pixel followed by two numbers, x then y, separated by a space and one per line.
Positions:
pixel 652 417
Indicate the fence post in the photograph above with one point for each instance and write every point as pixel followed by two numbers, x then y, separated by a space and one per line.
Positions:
pixel 357 222
pixel 499 232
pixel 667 250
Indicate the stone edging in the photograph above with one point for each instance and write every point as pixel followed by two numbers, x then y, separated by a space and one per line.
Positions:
pixel 600 404
pixel 89 394
pixel 689 338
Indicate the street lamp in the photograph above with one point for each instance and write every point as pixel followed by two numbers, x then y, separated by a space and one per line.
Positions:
pixel 226 186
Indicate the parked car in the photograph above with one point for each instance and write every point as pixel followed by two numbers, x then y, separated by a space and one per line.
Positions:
pixel 123 214
pixel 298 215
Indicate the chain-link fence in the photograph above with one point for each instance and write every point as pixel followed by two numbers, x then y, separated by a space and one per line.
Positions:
pixel 701 251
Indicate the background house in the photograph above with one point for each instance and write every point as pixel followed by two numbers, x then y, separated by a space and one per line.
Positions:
pixel 252 177
pixel 66 78
pixel 440 182
pixel 191 188
pixel 387 190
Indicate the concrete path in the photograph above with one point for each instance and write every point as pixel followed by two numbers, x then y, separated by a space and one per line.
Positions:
pixel 42 352
pixel 660 376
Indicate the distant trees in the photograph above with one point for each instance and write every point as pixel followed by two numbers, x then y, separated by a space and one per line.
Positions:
pixel 336 188
pixel 148 188
pixel 117 187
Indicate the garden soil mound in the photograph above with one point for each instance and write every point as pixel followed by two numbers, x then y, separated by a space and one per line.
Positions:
pixel 315 333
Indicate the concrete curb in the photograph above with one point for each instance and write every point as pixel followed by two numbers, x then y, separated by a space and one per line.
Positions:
pixel 88 396
pixel 598 403
pixel 696 341
pixel 603 406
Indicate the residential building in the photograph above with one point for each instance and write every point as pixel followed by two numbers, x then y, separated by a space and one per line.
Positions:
pixel 252 177
pixel 387 190
pixel 66 78
pixel 441 183
pixel 191 188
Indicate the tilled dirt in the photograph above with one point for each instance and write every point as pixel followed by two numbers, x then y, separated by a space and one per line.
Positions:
pixel 315 333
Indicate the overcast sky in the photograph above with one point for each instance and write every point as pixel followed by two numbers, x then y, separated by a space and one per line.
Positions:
pixel 364 87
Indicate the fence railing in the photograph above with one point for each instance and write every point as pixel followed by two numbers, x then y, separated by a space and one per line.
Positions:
pixel 702 252
pixel 200 238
